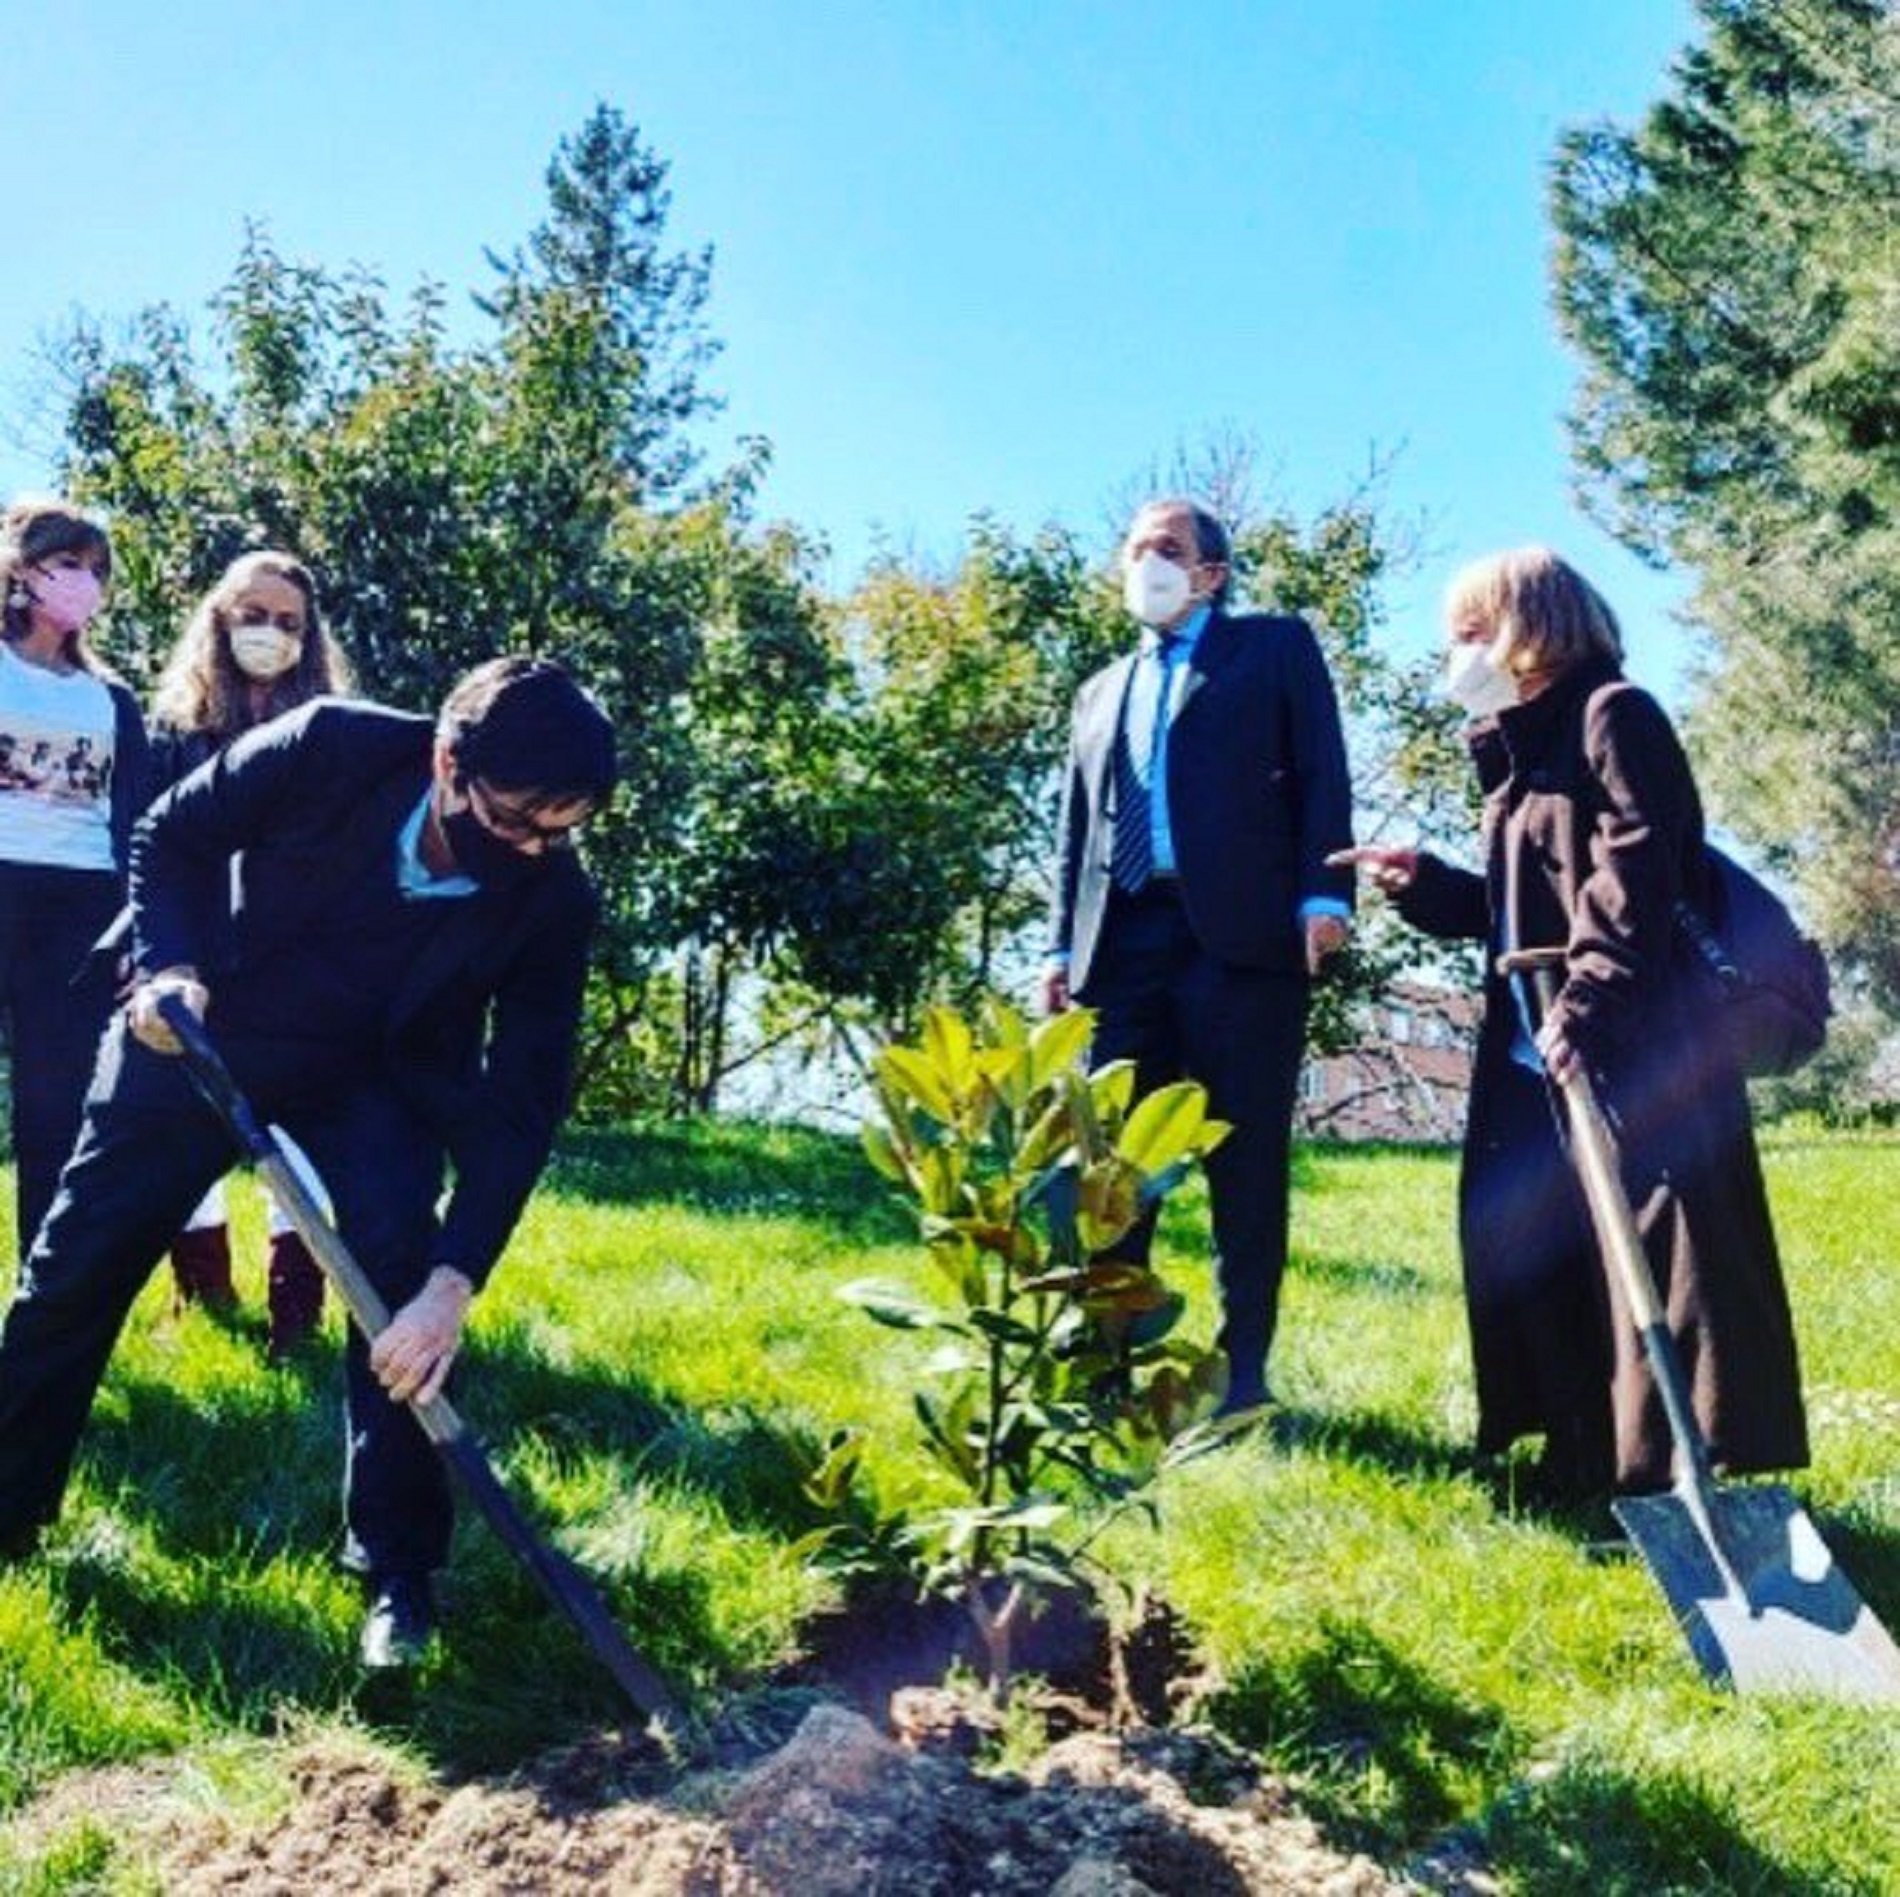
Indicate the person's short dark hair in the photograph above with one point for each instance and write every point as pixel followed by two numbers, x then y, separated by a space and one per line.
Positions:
pixel 522 724
pixel 34 529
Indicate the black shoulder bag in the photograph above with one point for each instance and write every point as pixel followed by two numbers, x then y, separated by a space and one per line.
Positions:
pixel 1764 984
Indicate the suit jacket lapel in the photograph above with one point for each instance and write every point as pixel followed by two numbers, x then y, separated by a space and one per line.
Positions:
pixel 1211 651
pixel 1105 723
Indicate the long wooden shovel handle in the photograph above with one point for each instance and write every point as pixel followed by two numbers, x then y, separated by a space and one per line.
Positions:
pixel 1596 1153
pixel 213 1079
pixel 558 1578
pixel 1603 1191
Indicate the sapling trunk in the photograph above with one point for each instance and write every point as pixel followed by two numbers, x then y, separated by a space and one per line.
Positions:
pixel 995 1630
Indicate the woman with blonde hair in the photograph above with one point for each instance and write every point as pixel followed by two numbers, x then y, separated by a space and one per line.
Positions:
pixel 256 647
pixel 72 779
pixel 1593 832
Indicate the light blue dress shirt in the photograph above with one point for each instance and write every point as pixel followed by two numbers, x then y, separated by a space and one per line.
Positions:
pixel 413 876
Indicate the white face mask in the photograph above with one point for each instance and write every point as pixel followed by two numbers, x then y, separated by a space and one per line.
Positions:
pixel 1155 590
pixel 264 651
pixel 1476 683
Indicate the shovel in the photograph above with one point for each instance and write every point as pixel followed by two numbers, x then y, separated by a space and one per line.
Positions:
pixel 1763 1603
pixel 557 1577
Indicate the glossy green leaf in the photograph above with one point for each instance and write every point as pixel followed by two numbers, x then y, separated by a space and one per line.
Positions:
pixel 1001 1325
pixel 1005 1072
pixel 1112 1086
pixel 1164 1126
pixel 1116 1287
pixel 1058 1043
pixel 1003 1024
pixel 1053 1131
pixel 950 1048
pixel 891 1304
pixel 918 1078
pixel 950 1360
pixel 1107 1203
pixel 1055 1284
pixel 1032 1512
pixel 829 1483
pixel 881 1150
pixel 939 1179
pixel 1046 1568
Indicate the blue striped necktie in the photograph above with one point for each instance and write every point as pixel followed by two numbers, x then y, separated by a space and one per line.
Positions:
pixel 1131 859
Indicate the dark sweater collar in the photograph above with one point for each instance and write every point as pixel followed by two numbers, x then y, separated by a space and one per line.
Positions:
pixel 1523 732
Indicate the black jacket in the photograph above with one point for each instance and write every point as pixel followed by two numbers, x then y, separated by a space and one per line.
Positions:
pixel 131 767
pixel 1258 795
pixel 480 1035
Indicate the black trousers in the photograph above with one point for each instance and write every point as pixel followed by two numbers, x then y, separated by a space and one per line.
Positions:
pixel 1181 1014
pixel 148 1148
pixel 49 920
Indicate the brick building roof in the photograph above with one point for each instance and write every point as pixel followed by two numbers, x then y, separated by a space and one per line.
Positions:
pixel 1407 1077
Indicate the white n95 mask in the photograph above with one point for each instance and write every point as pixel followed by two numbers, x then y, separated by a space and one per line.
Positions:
pixel 1156 590
pixel 264 652
pixel 1476 683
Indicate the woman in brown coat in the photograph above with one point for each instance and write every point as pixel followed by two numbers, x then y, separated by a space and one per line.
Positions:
pixel 1592 832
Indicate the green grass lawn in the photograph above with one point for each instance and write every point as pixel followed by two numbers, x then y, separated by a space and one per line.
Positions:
pixel 659 1358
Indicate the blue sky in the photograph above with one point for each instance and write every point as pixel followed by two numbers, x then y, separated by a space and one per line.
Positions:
pixel 997 255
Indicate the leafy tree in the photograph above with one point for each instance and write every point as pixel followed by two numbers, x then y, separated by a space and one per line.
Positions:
pixel 1057 1394
pixel 1728 272
pixel 966 681
pixel 457 502
pixel 874 827
pixel 601 248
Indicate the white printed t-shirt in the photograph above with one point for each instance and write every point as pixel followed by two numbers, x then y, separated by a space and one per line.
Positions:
pixel 56 732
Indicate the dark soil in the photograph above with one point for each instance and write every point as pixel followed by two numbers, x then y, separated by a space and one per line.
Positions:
pixel 886 1642
pixel 877 1790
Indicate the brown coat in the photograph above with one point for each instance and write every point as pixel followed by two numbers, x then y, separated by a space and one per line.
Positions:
pixel 1592 830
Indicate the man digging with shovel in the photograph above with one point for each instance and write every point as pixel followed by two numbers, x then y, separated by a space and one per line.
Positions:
pixel 383 922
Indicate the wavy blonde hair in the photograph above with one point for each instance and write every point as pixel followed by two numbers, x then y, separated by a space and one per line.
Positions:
pixel 1547 615
pixel 202 687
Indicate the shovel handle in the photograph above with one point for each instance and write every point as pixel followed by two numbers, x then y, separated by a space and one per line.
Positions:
pixel 227 1099
pixel 558 1578
pixel 1596 1154
pixel 1610 1213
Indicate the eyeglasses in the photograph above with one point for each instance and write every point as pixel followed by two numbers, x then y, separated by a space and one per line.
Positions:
pixel 515 823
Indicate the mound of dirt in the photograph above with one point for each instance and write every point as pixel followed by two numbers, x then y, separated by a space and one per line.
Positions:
pixel 839 1810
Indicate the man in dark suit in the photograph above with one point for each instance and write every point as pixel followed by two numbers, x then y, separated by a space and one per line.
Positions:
pixel 1206 786
pixel 383 922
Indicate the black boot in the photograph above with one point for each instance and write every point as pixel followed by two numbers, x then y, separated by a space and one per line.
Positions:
pixel 201 1267
pixel 296 1294
pixel 400 1622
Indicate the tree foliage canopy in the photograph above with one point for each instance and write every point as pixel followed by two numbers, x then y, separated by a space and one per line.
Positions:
pixel 835 809
pixel 1730 274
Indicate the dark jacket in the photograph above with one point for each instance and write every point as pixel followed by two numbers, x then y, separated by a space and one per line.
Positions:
pixel 176 754
pixel 131 768
pixel 480 1035
pixel 1258 794
pixel 1593 829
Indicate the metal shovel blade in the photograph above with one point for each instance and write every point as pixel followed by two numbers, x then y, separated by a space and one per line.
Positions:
pixel 1785 1619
